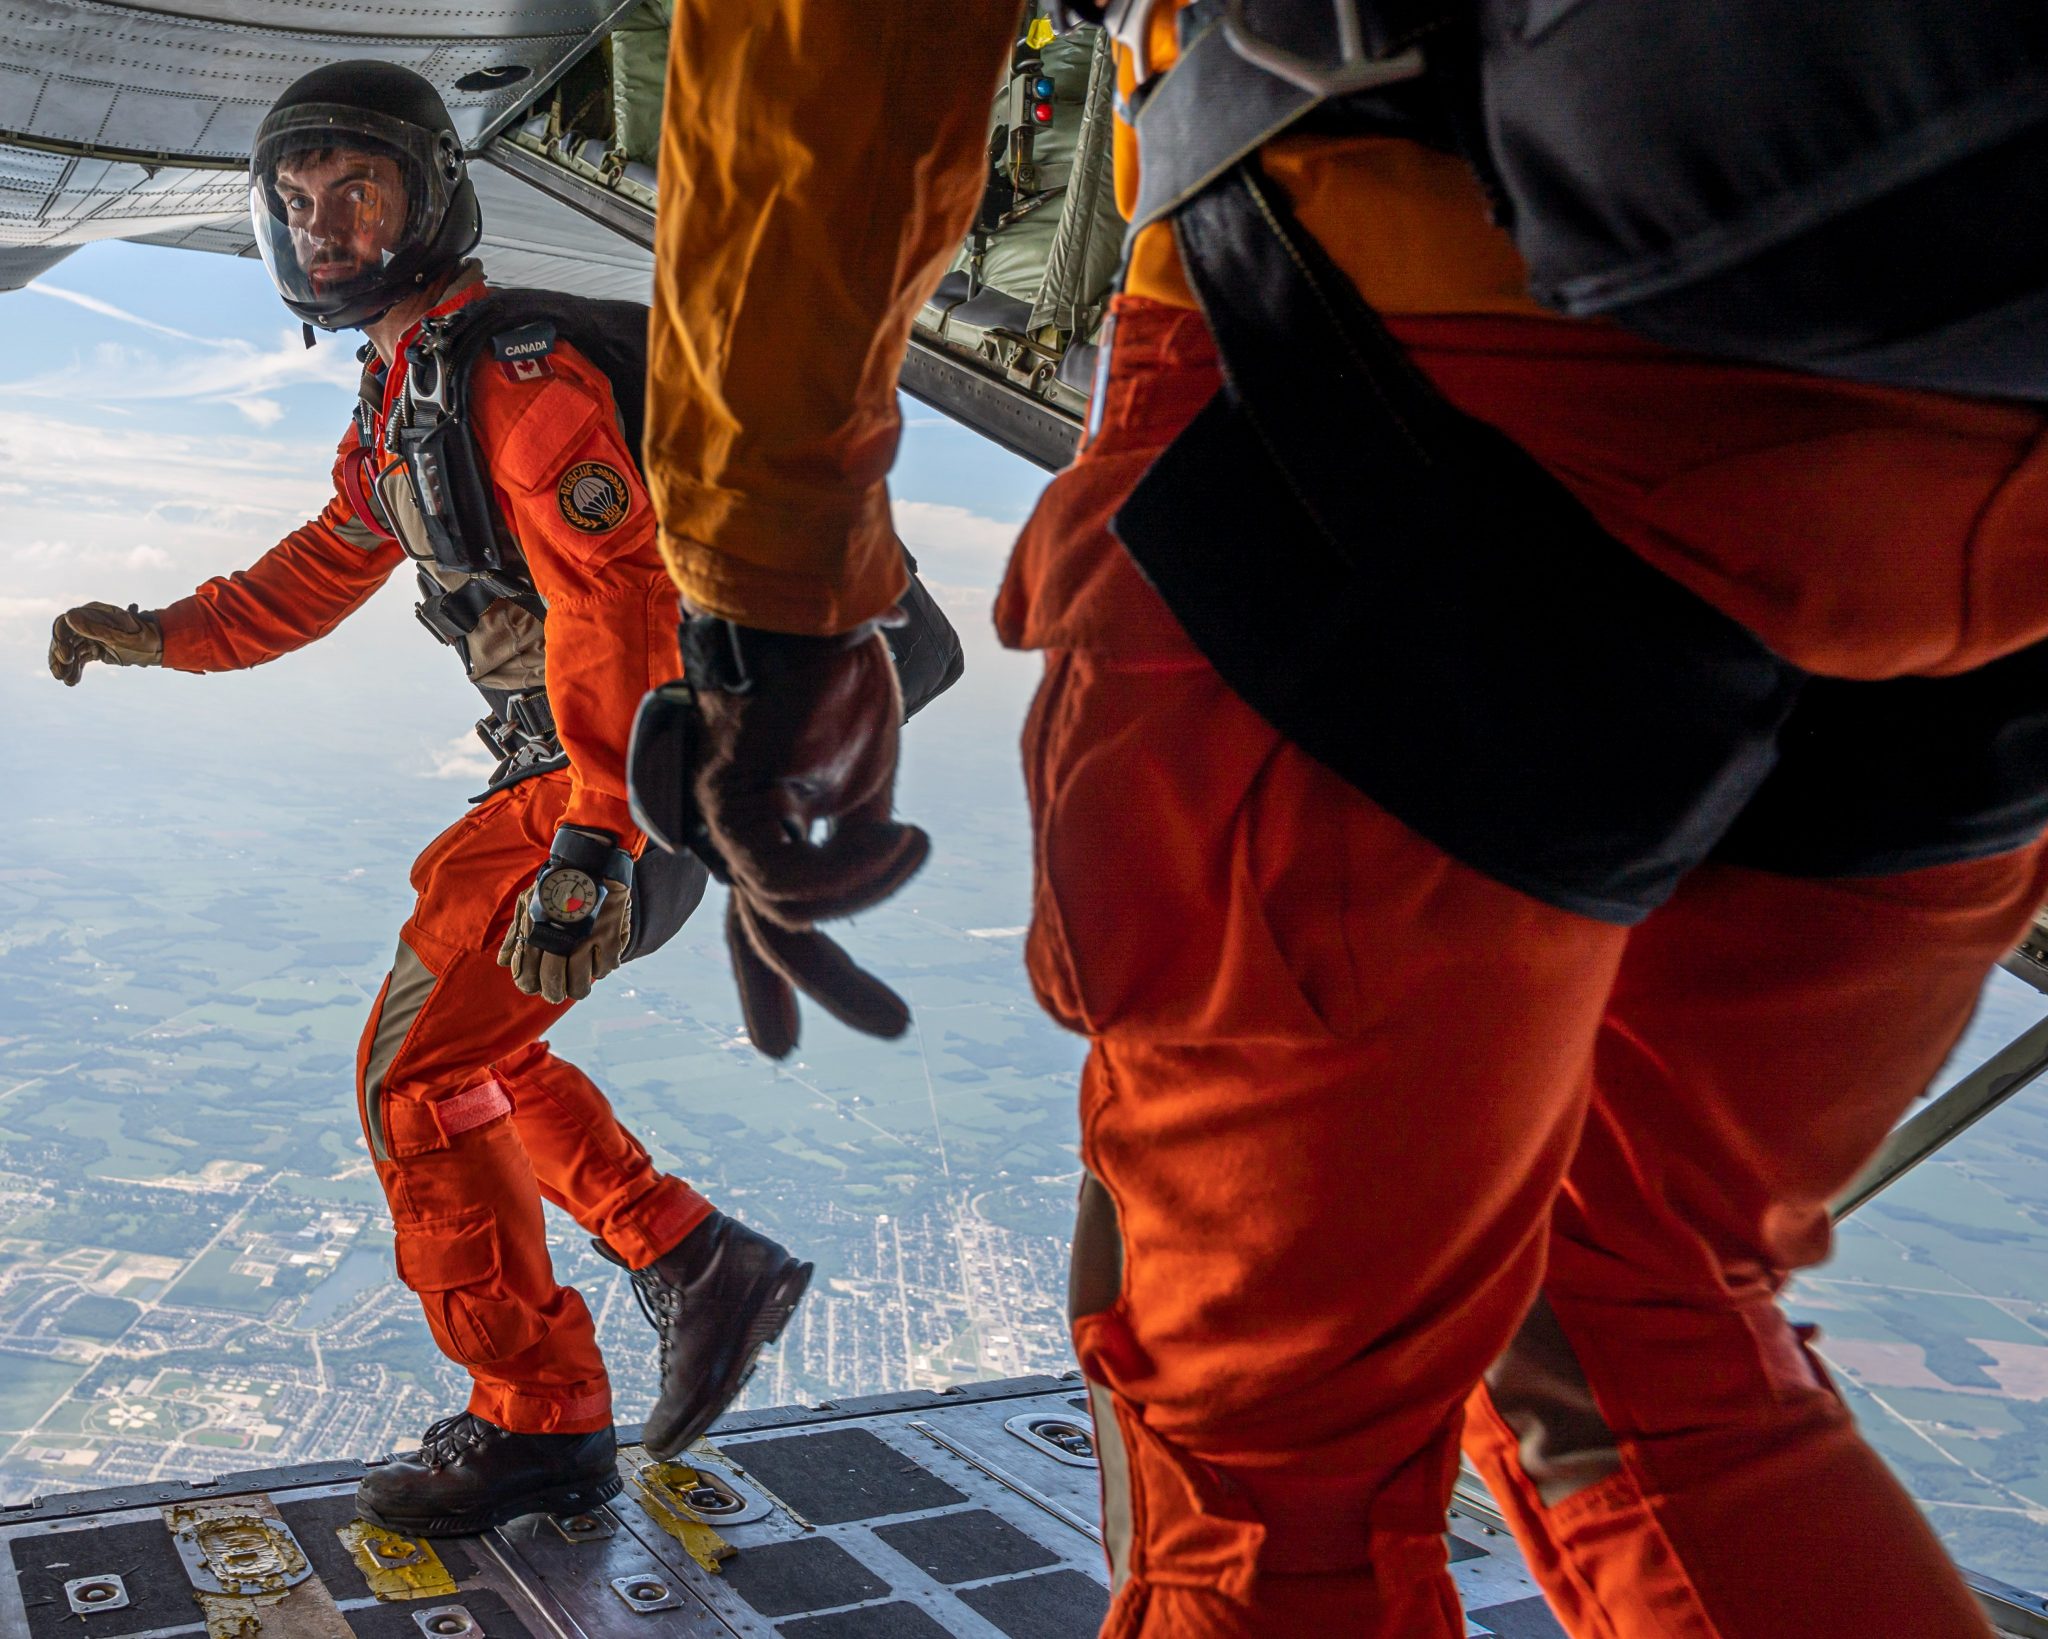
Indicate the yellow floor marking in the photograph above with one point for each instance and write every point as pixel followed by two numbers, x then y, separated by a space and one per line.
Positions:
pixel 396 1567
pixel 661 1490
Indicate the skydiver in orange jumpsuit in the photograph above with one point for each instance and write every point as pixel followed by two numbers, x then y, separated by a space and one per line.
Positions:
pixel 365 216
pixel 1381 1151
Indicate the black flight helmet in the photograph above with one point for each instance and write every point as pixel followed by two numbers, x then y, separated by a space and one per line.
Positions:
pixel 358 192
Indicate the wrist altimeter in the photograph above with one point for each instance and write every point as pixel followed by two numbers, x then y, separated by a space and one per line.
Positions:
pixel 570 890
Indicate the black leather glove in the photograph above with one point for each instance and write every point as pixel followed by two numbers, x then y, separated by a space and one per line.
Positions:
pixel 774 759
pixel 572 928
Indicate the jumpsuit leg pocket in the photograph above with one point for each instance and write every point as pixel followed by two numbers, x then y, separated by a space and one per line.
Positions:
pixel 455 1266
pixel 437 853
pixel 469 876
pixel 1186 884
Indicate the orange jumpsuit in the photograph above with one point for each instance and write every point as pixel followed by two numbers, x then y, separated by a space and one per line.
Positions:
pixel 471 1121
pixel 1349 1098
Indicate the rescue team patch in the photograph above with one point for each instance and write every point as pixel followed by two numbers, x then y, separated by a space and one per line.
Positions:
pixel 593 496
pixel 523 353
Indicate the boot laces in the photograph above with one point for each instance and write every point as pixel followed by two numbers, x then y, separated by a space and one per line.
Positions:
pixel 659 1302
pixel 444 1442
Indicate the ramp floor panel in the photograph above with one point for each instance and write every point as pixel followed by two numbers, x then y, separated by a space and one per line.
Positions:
pixel 967 1515
pixel 846 1474
pixel 966 1547
pixel 141 1553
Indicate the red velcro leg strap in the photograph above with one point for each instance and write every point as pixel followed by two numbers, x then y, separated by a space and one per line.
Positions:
pixel 479 1102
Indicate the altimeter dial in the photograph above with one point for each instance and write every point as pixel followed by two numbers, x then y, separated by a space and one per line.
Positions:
pixel 566 894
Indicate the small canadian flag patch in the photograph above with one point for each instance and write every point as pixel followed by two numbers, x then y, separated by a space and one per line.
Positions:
pixel 523 353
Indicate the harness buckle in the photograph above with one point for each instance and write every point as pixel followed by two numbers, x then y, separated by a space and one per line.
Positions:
pixel 496 736
pixel 523 726
pixel 427 613
pixel 531 714
pixel 522 730
pixel 426 377
pixel 454 614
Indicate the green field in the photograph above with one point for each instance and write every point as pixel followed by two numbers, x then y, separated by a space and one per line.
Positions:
pixel 102 1319
pixel 68 1418
pixel 357 1191
pixel 29 1387
pixel 211 1284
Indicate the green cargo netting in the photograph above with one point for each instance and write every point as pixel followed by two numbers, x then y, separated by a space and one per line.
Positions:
pixel 1082 262
pixel 639 72
pixel 1062 258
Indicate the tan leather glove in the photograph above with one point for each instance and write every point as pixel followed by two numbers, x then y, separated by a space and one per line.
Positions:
pixel 571 928
pixel 100 631
pixel 568 976
pixel 775 760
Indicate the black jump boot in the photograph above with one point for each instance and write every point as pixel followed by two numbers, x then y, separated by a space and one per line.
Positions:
pixel 470 1475
pixel 716 1302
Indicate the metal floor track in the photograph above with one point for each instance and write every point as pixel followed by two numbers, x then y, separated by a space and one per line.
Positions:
pixel 911 1516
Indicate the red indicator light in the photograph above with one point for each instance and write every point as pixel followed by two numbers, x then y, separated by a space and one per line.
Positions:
pixel 1042 112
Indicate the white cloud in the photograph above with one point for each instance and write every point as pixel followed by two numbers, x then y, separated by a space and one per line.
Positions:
pixel 462 758
pixel 90 469
pixel 962 603
pixel 29 608
pixel 265 412
pixel 25 634
pixel 143 512
pixel 228 372
pixel 953 545
pixel 43 554
pixel 107 310
pixel 222 370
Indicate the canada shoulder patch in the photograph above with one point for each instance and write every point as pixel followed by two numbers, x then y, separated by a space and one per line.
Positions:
pixel 593 496
pixel 523 353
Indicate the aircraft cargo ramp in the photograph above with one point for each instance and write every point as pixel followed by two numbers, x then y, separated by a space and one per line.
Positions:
pixel 907 1516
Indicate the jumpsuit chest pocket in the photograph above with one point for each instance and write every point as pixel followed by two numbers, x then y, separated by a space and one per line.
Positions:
pixel 503 643
pixel 508 650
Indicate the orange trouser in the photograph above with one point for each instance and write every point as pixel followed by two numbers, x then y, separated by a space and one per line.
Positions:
pixel 1338 1080
pixel 1673 1459
pixel 472 1123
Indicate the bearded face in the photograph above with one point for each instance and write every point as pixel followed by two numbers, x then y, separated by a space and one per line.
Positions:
pixel 344 209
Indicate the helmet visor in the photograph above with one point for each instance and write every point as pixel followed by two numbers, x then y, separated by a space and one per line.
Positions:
pixel 343 201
